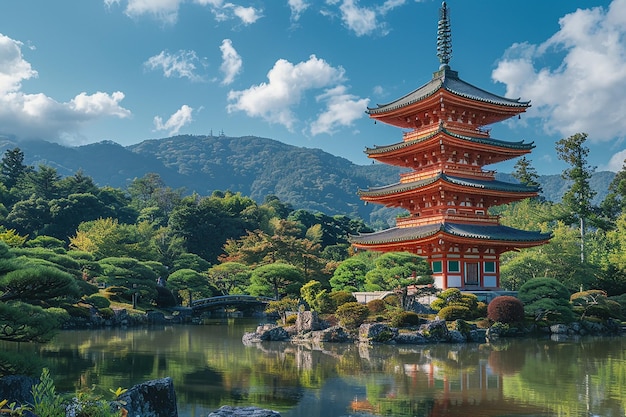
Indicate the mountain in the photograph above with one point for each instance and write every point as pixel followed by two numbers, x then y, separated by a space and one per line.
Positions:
pixel 257 167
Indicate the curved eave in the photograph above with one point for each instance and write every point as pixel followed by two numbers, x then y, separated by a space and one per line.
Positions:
pixel 495 235
pixel 501 144
pixel 449 81
pixel 447 182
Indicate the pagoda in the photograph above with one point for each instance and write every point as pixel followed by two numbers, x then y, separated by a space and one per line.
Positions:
pixel 445 191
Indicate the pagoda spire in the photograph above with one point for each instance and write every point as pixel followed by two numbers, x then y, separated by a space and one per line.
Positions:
pixel 444 37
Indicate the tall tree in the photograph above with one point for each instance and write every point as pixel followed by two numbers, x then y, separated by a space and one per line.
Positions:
pixel 525 173
pixel 12 168
pixel 578 198
pixel 276 280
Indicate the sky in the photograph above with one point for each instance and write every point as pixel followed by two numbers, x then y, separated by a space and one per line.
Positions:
pixel 303 72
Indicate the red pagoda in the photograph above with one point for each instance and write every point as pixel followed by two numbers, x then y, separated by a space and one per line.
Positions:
pixel 446 191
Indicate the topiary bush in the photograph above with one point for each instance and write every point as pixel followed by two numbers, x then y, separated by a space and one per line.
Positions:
pixel 342 297
pixel 454 312
pixel 546 299
pixel 405 319
pixel 98 301
pixel 351 315
pixel 376 306
pixel 454 297
pixel 505 309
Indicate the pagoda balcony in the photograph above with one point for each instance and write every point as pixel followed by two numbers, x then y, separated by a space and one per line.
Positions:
pixel 448 169
pixel 441 216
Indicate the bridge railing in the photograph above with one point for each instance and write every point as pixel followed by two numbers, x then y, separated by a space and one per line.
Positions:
pixel 231 299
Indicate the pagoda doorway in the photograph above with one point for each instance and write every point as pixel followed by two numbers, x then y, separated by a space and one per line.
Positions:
pixel 471 273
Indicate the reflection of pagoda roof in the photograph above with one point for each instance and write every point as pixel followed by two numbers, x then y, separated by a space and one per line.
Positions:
pixel 478 140
pixel 448 80
pixel 490 185
pixel 470 231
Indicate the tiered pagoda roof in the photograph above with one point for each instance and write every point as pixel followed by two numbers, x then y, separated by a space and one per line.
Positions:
pixel 492 233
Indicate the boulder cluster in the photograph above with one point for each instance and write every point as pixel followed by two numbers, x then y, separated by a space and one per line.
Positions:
pixel 310 329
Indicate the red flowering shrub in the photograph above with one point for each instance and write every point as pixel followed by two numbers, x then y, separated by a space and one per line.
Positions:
pixel 505 309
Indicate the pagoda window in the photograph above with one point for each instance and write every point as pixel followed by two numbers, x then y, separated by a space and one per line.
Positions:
pixel 451 211
pixel 437 267
pixel 481 212
pixel 490 267
pixel 454 266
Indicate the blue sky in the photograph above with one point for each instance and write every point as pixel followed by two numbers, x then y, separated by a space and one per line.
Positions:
pixel 303 72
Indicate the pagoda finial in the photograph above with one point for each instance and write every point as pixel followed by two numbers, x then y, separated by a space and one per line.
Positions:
pixel 444 37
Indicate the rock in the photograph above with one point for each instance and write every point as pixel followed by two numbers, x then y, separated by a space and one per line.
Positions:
pixel 412 338
pixel 307 321
pixel 435 331
pixel 477 335
pixel 228 411
pixel 155 398
pixel 559 329
pixel 376 332
pixel 335 334
pixel 17 388
pixel 266 333
pixel 455 336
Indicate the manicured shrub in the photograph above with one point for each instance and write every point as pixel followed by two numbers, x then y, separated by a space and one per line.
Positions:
pixel 106 313
pixel 78 312
pixel 405 319
pixel 505 309
pixel 454 312
pixel 453 297
pixel 342 297
pixel 594 303
pixel 376 306
pixel 546 299
pixel 98 301
pixel 351 315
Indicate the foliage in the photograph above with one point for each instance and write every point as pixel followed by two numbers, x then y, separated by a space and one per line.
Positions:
pixel 187 285
pixel 350 275
pixel 33 284
pixel 546 299
pixel 595 303
pixel 341 297
pixel 394 270
pixel 455 312
pixel 98 301
pixel 505 309
pixel 376 306
pixel 229 277
pixel 352 315
pixel 46 401
pixel 453 297
pixel 405 319
pixel 275 279
pixel 317 297
pixel 282 307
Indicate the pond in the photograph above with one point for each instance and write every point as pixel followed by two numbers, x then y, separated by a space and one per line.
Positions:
pixel 211 367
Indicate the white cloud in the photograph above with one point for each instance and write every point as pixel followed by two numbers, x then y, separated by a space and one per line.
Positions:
pixel 13 68
pixel 177 121
pixel 297 8
pixel 167 10
pixel 248 15
pixel 30 116
pixel 616 163
pixel 361 20
pixel 181 64
pixel 231 62
pixel 287 83
pixel 164 10
pixel 227 10
pixel 342 109
pixel 583 90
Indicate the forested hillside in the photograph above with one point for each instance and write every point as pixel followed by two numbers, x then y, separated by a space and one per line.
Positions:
pixel 257 167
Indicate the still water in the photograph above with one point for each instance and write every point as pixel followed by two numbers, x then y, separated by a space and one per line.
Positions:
pixel 211 367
